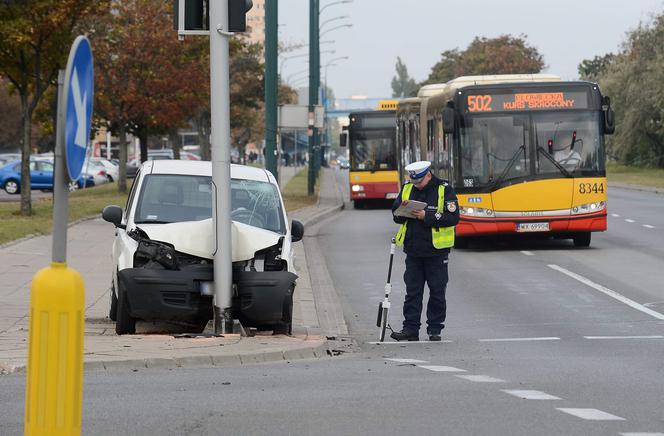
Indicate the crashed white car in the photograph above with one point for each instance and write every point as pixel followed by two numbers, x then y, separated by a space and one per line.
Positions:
pixel 165 240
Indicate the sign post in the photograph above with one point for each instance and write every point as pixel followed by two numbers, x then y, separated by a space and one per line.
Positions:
pixel 54 388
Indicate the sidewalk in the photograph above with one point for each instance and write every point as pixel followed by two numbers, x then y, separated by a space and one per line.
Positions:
pixel 88 253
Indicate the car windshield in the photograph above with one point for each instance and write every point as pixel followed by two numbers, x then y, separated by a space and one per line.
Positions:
pixel 499 148
pixel 168 198
pixel 372 150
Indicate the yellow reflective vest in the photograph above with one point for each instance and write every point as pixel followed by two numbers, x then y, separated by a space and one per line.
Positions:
pixel 442 237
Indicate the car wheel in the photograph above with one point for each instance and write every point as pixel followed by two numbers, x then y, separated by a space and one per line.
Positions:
pixel 124 324
pixel 110 179
pixel 73 186
pixel 12 187
pixel 582 239
pixel 113 313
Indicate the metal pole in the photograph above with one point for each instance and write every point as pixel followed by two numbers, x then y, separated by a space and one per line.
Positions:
pixel 221 167
pixel 108 145
pixel 317 86
pixel 313 90
pixel 271 55
pixel 60 185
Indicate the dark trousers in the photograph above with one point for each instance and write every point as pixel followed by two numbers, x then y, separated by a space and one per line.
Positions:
pixel 433 271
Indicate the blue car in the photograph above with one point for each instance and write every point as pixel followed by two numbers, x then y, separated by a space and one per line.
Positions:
pixel 41 177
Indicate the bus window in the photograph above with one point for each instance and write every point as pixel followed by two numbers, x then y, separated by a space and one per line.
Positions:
pixel 443 142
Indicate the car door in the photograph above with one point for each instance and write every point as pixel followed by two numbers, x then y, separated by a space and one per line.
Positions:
pixel 44 171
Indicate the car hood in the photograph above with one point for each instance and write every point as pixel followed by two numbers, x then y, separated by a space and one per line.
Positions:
pixel 197 238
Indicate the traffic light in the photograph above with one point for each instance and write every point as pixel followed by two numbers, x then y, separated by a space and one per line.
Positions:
pixel 193 16
pixel 237 14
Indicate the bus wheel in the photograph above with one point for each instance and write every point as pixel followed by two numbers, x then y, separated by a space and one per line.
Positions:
pixel 358 204
pixel 582 239
pixel 460 242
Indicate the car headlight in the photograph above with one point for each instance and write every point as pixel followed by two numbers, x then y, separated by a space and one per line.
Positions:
pixel 476 212
pixel 589 208
pixel 357 188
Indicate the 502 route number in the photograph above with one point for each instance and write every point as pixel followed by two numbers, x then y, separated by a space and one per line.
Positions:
pixel 591 188
pixel 479 103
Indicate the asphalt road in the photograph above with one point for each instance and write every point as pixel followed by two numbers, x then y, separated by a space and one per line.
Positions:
pixel 7 198
pixel 541 338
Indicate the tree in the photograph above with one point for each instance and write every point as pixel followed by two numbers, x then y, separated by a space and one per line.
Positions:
pixel 634 79
pixel 402 84
pixel 505 54
pixel 593 69
pixel 10 121
pixel 36 35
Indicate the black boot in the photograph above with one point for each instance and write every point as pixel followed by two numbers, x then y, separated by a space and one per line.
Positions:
pixel 434 337
pixel 405 336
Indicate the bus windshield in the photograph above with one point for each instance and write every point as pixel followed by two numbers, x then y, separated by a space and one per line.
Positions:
pixel 372 150
pixel 500 148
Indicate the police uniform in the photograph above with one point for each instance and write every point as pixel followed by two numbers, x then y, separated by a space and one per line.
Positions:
pixel 427 246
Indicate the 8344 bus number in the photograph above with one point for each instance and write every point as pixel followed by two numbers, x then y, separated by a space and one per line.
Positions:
pixel 591 188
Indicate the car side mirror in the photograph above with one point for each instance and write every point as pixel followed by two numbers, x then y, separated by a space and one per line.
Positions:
pixel 297 231
pixel 343 139
pixel 609 117
pixel 113 214
pixel 448 120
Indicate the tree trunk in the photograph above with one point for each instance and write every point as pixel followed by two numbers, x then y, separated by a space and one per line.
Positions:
pixel 122 182
pixel 175 142
pixel 26 120
pixel 203 127
pixel 143 138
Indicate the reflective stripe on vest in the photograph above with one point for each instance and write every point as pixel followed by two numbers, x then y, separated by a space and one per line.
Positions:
pixel 442 237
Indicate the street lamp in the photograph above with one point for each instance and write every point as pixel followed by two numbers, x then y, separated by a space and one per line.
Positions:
pixel 331 64
pixel 296 74
pixel 332 4
pixel 283 61
pixel 340 17
pixel 335 28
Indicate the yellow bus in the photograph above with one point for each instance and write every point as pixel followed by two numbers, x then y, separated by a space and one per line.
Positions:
pixel 525 153
pixel 373 172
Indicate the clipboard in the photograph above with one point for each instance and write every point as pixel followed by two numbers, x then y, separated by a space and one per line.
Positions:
pixel 408 207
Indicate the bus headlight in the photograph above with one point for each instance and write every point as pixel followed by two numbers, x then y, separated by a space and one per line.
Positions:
pixel 476 212
pixel 357 188
pixel 589 208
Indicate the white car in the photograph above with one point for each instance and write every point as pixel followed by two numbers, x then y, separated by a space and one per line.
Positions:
pixel 112 170
pixel 165 239
pixel 95 169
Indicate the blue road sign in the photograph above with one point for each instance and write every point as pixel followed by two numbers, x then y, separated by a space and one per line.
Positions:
pixel 78 92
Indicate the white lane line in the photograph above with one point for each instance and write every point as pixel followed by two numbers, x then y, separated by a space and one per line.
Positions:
pixel 445 341
pixel 629 220
pixel 615 215
pixel 481 378
pixel 609 292
pixel 530 395
pixel 591 414
pixel 407 360
pixel 642 434
pixel 520 339
pixel 436 368
pixel 625 337
pixel 528 253
pixel 648 226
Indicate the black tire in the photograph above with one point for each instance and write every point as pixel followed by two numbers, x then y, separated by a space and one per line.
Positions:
pixel 12 187
pixel 358 204
pixel 113 312
pixel 124 324
pixel 460 242
pixel 582 239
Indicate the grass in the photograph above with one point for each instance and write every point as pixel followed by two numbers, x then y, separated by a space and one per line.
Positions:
pixel 295 192
pixel 653 177
pixel 83 203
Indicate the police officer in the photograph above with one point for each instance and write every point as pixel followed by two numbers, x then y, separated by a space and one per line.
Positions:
pixel 426 239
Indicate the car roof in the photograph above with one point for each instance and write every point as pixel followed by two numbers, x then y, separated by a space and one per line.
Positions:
pixel 204 168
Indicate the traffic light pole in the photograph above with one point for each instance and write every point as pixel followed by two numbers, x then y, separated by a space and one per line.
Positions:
pixel 271 89
pixel 221 164
pixel 314 78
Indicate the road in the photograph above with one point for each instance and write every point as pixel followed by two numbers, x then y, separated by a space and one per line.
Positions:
pixel 541 338
pixel 7 198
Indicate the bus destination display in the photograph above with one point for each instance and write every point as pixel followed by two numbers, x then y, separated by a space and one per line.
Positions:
pixel 527 101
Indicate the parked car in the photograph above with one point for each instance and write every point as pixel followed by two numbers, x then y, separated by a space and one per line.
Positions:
pixel 41 177
pixel 164 244
pixel 5 158
pixel 112 170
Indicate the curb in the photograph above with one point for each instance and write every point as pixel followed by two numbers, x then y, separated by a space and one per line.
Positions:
pixel 318 351
pixel 641 188
pixel 35 235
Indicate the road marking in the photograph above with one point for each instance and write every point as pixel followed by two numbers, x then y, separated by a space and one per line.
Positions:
pixel 436 368
pixel 520 339
pixel 615 215
pixel 481 378
pixel 625 337
pixel 642 434
pixel 530 395
pixel 446 341
pixel 609 292
pixel 528 253
pixel 591 414
pixel 629 220
pixel 648 226
pixel 407 360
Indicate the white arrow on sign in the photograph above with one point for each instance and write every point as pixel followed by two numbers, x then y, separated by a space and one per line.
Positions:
pixel 80 108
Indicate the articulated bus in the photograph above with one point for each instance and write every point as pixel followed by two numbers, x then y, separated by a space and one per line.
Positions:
pixel 373 155
pixel 525 153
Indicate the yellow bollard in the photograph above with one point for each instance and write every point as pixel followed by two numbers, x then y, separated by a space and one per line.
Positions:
pixel 54 388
